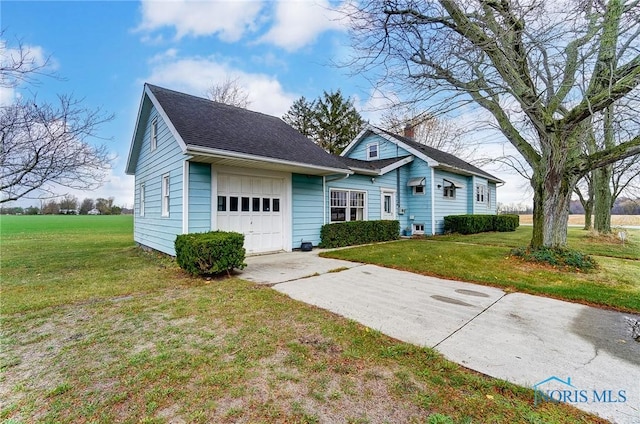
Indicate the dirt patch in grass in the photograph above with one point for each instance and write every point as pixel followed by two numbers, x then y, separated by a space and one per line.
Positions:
pixel 231 352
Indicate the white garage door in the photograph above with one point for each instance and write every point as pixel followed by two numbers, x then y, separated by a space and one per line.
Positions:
pixel 252 206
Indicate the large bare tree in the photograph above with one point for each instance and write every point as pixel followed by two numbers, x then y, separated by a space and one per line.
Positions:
pixel 229 92
pixel 523 61
pixel 45 144
pixel 437 132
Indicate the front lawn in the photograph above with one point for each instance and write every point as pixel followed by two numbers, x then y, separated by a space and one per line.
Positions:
pixel 94 330
pixel 484 258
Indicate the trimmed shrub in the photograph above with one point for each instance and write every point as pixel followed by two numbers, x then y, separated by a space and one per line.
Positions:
pixel 351 233
pixel 210 253
pixel 472 224
pixel 504 223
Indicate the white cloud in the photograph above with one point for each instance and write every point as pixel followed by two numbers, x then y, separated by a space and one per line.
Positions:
pixel 196 75
pixel 229 19
pixel 298 23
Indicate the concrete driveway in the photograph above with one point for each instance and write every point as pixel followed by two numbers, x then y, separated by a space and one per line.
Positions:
pixel 570 352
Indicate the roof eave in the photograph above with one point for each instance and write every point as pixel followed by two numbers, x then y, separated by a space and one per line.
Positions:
pixel 466 172
pixel 226 154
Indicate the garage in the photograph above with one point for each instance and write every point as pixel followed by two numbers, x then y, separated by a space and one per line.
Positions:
pixel 253 205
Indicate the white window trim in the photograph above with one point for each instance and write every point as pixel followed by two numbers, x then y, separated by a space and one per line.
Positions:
pixel 165 199
pixel 415 188
pixel 481 193
pixel 415 231
pixel 154 134
pixel 142 199
pixel 348 206
pixel 369 146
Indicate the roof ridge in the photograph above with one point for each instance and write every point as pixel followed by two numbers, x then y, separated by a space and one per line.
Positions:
pixel 210 101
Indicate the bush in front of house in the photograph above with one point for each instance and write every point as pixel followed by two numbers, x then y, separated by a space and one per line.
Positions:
pixel 351 233
pixel 472 224
pixel 210 253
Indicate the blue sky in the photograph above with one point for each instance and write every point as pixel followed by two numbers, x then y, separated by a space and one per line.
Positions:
pixel 105 51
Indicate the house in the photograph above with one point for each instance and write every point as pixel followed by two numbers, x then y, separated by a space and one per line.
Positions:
pixel 201 165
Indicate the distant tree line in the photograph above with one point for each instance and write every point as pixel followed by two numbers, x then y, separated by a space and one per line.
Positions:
pixel 621 206
pixel 69 205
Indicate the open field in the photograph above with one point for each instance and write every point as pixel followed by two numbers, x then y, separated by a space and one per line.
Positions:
pixel 616 220
pixel 95 330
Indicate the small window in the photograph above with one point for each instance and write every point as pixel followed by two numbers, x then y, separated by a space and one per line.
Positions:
pixel 245 204
pixel 276 205
pixel 372 151
pixel 233 204
pixel 142 200
pixel 255 204
pixel 449 191
pixel 154 134
pixel 222 203
pixel 480 193
pixel 419 189
pixel 387 203
pixel 165 195
pixel 266 205
pixel 418 228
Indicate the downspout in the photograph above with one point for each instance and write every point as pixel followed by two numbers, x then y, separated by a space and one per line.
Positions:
pixel 324 200
pixel 433 202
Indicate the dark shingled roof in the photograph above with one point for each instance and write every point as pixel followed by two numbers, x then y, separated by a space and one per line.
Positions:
pixel 443 158
pixel 370 165
pixel 204 123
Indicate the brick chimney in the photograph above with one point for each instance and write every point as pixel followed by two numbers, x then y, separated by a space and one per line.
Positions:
pixel 409 131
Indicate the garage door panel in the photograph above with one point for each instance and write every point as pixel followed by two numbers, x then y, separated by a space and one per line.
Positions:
pixel 253 208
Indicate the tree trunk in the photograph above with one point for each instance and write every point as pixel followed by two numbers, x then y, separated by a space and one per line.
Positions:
pixel 588 212
pixel 602 178
pixel 552 196
pixel 602 193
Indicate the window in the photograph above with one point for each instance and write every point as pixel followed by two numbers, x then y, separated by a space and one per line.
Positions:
pixel 222 203
pixel 165 195
pixel 233 204
pixel 266 205
pixel 142 201
pixel 449 191
pixel 480 193
pixel 418 228
pixel 255 204
pixel 245 204
pixel 372 151
pixel 154 134
pixel 347 205
pixel 387 203
pixel 418 189
pixel 276 205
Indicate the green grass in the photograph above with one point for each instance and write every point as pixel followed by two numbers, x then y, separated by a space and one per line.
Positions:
pixel 485 258
pixel 94 330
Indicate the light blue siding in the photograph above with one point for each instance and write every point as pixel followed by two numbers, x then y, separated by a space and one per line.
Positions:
pixel 386 149
pixel 307 209
pixel 489 206
pixel 446 206
pixel 199 197
pixel 152 229
pixel 419 205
